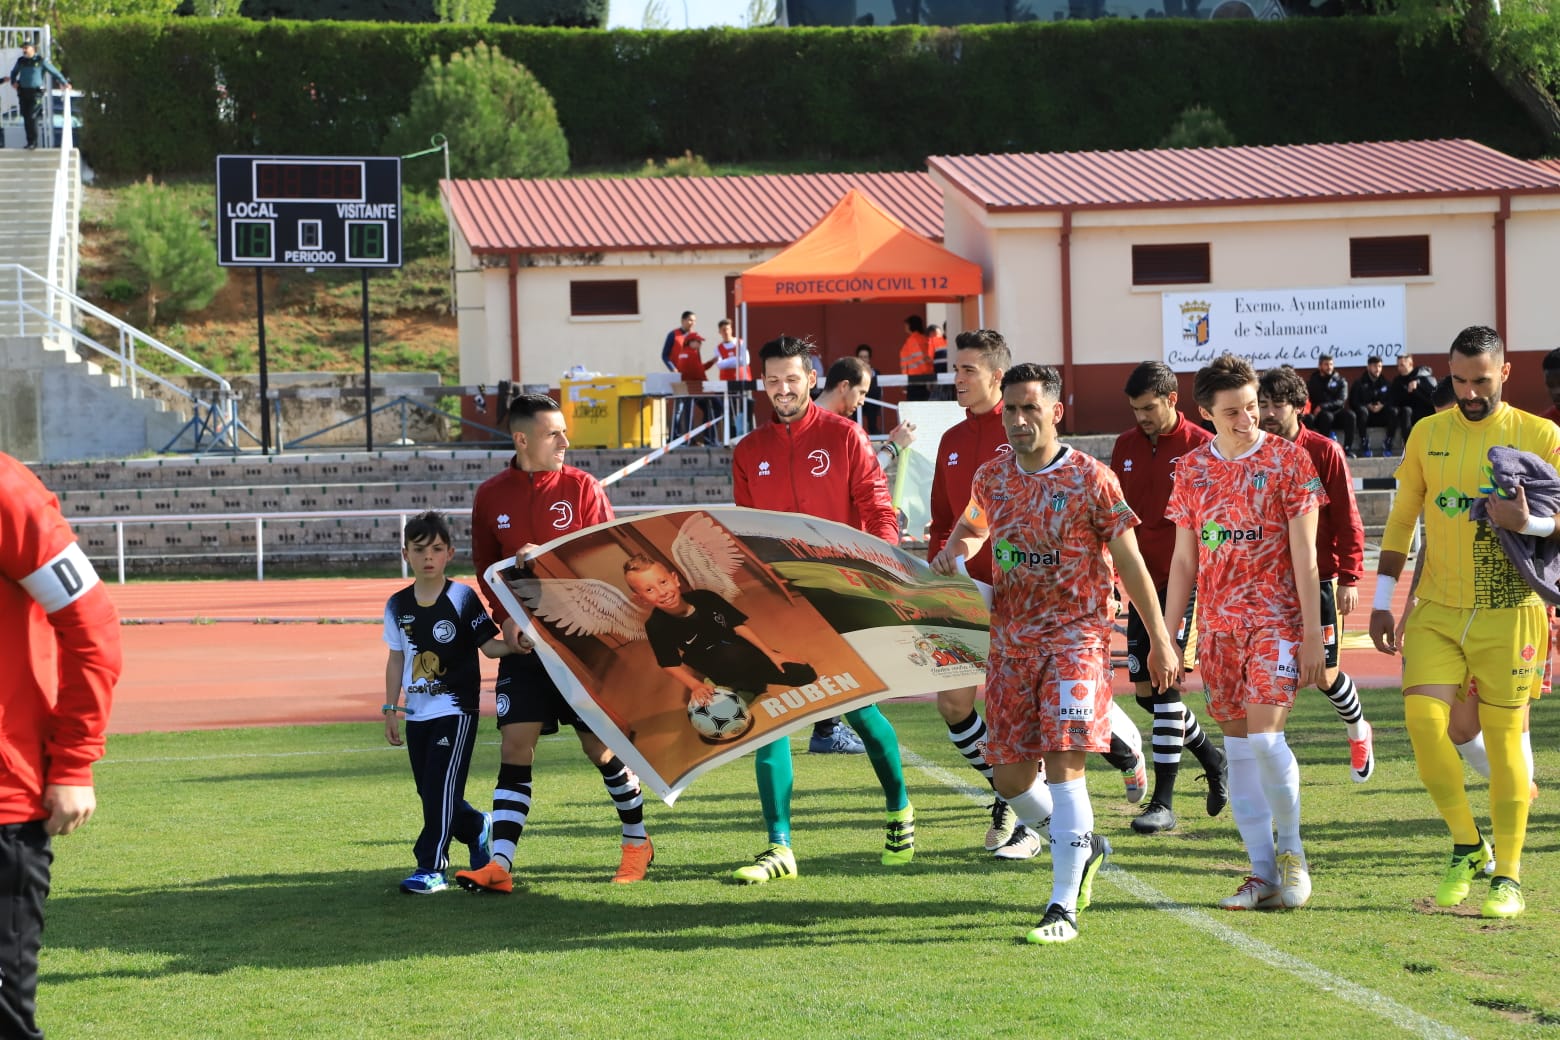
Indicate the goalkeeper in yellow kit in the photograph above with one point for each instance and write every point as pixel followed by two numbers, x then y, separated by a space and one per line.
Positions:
pixel 1475 616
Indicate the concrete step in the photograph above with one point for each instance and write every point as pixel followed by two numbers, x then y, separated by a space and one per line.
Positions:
pixel 329 468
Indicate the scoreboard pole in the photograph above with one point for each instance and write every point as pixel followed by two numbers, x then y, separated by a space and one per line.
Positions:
pixel 368 373
pixel 265 383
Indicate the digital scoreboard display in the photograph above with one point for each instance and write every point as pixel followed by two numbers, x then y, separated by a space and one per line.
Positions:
pixel 308 211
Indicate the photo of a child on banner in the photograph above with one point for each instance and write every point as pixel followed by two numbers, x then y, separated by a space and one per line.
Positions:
pixel 687 638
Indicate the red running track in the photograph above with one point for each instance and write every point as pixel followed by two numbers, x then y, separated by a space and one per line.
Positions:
pixel 196 657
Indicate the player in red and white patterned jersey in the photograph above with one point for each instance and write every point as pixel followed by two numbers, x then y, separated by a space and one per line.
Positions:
pixel 62 660
pixel 1245 505
pixel 1056 520
pixel 1340 550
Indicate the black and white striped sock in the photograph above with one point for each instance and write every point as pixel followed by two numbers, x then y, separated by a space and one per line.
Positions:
pixel 969 736
pixel 1168 733
pixel 1346 702
pixel 511 806
pixel 623 786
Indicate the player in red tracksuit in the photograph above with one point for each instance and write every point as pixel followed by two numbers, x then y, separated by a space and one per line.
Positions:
pixel 62 660
pixel 1144 460
pixel 1340 550
pixel 813 462
pixel 536 499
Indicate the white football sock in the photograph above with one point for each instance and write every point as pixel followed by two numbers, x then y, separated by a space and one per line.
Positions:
pixel 1281 785
pixel 1072 827
pixel 1033 807
pixel 1249 805
pixel 1474 754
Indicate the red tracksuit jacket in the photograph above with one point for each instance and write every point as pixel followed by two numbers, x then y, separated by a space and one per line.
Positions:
pixel 62 650
pixel 516 508
pixel 821 465
pixel 964 448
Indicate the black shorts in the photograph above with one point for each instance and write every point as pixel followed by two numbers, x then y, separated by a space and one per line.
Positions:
pixel 1137 636
pixel 1332 632
pixel 526 693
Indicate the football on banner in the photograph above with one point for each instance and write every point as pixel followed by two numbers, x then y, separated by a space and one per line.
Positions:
pixel 723 717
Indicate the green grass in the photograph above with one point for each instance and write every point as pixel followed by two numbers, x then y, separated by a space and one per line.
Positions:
pixel 242 883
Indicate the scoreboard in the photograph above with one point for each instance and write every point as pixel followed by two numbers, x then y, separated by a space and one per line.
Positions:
pixel 308 211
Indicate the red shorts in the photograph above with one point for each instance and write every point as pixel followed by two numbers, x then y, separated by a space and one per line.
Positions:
pixel 1057 702
pixel 1251 666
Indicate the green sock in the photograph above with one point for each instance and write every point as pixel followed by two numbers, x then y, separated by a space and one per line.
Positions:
pixel 772 764
pixel 877 733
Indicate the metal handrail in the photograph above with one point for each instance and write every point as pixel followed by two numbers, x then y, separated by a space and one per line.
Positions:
pixel 259 520
pixel 61 268
pixel 219 416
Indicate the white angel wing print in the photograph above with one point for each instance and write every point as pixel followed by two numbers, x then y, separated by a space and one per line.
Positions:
pixel 707 556
pixel 583 606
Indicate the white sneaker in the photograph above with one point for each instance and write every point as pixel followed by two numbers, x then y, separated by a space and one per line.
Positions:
pixel 1003 822
pixel 1294 880
pixel 1023 844
pixel 1253 894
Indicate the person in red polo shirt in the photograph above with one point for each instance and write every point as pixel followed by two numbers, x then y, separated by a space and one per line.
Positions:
pixel 62 660
pixel 811 461
pixel 536 499
pixel 1144 460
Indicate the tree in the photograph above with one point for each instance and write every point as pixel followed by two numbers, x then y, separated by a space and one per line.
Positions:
pixel 759 13
pixel 169 248
pixel 655 16
pixel 1198 127
pixel 1518 39
pixel 499 119
pixel 53 12
pixel 465 12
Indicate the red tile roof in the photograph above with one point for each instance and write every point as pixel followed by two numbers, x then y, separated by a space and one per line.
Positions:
pixel 1236 176
pixel 1548 165
pixel 632 214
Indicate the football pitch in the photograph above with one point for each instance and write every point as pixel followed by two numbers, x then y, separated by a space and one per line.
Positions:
pixel 243 883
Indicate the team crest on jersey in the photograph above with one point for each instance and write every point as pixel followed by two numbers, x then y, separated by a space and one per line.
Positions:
pixel 1259 480
pixel 820 460
pixel 1058 500
pixel 503 521
pixel 444 631
pixel 565 514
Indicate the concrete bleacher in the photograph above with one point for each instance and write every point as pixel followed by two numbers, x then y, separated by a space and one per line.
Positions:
pixel 185 490
pixel 223 488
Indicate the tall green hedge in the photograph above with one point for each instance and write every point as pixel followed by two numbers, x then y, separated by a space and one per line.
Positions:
pixel 169 96
pixel 573 14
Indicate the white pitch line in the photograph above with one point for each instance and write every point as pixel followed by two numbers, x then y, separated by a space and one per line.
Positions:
pixel 1400 1015
pixel 279 754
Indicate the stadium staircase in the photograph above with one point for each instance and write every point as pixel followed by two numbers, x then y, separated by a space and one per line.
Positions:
pixel 335 485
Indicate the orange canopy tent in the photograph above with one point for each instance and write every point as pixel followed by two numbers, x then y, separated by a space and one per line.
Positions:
pixel 858 252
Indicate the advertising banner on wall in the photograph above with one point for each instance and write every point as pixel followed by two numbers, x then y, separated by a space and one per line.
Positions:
pixel 1271 327
pixel 688 638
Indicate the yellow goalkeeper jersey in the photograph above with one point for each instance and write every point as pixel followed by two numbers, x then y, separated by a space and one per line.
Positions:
pixel 1445 465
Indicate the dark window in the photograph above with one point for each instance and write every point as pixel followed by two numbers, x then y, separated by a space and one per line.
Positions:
pixel 1394 257
pixel 1170 265
pixel 588 299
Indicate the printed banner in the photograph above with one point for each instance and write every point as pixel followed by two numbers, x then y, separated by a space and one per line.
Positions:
pixel 688 638
pixel 912 490
pixel 1271 327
